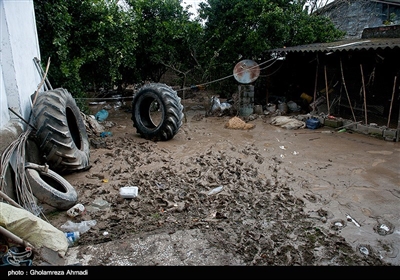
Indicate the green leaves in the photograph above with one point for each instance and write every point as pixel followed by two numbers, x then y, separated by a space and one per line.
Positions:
pixel 99 43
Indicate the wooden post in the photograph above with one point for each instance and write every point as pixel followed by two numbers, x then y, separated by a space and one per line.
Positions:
pixel 365 100
pixel 347 93
pixel 391 101
pixel 326 90
pixel 315 88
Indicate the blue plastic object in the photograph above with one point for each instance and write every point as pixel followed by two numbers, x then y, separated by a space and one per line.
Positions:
pixel 105 134
pixel 101 115
pixel 312 123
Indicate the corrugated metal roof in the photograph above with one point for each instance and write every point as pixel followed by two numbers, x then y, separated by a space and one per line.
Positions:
pixel 345 45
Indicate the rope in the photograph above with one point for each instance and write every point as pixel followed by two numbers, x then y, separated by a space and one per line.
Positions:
pixel 187 88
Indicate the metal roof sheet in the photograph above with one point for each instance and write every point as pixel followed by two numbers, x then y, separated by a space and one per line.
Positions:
pixel 345 45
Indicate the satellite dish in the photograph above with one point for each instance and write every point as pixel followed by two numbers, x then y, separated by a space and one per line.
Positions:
pixel 246 71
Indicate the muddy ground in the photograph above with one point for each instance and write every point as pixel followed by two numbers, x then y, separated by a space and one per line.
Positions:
pixel 290 197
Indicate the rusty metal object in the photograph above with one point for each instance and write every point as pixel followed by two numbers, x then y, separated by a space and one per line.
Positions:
pixel 246 71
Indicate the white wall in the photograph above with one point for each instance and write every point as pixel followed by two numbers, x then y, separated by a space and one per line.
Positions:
pixel 19 45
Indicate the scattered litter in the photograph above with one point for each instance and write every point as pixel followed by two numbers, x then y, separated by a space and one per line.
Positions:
pixel 384 227
pixel 352 220
pixel 101 115
pixel 238 123
pixel 295 153
pixel 312 123
pixel 293 106
pixel 105 134
pixel 129 192
pixel 216 105
pixel 364 250
pixel 72 237
pixel 100 203
pixel 105 233
pixel 76 210
pixel 282 147
pixel 338 224
pixel 287 122
pixel 215 190
pixel 81 227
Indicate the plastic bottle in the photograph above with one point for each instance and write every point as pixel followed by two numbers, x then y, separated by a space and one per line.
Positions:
pixel 72 237
pixel 215 190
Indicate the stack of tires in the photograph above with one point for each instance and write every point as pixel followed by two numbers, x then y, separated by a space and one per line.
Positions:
pixel 63 146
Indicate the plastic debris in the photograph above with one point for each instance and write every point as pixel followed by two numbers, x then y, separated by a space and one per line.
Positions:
pixel 81 227
pixel 105 134
pixel 72 237
pixel 76 210
pixel 101 115
pixel 364 250
pixel 215 190
pixel 129 192
pixel 216 105
pixel 352 220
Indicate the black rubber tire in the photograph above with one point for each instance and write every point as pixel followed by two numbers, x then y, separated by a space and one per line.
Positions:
pixel 169 105
pixel 61 133
pixel 50 188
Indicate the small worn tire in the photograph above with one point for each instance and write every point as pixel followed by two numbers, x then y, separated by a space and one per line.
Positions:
pixel 50 188
pixel 170 107
pixel 61 132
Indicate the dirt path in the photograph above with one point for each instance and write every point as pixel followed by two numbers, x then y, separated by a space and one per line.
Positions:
pixel 286 197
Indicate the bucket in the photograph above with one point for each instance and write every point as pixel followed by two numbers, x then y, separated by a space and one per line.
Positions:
pixel 258 109
pixel 271 107
pixel 306 97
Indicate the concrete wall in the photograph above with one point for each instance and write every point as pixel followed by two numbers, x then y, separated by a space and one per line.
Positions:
pixel 19 77
pixel 354 16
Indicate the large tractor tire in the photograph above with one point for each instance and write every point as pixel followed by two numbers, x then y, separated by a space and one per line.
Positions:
pixel 49 187
pixel 61 133
pixel 157 112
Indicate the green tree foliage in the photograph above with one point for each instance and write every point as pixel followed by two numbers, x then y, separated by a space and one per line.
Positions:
pixel 100 44
pixel 238 29
pixel 90 43
pixel 166 37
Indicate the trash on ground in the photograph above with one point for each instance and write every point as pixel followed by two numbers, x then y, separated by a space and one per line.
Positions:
pixel 349 218
pixel 215 190
pixel 40 234
pixel 72 237
pixel 101 115
pixel 293 106
pixel 287 122
pixel 92 125
pixel 217 105
pixel 76 210
pixel 80 227
pixel 129 192
pixel 105 134
pixel 312 123
pixel 238 123
pixel 364 250
pixel 16 256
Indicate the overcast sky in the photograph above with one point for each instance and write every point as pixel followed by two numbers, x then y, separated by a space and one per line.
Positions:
pixel 194 4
